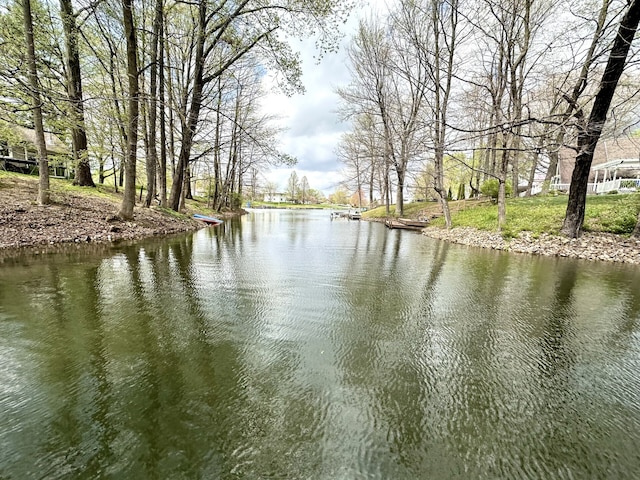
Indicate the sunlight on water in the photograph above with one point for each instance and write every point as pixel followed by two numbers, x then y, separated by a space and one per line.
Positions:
pixel 290 345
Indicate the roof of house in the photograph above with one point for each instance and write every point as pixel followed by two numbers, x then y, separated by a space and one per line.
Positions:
pixel 52 141
pixel 620 163
pixel 607 150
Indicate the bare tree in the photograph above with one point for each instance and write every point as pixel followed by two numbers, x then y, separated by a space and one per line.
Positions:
pixel 152 160
pixel 369 91
pixel 590 131
pixel 304 189
pixel 74 90
pixel 387 83
pixel 129 198
pixel 43 162
pixel 352 153
pixel 228 31
pixel 431 28
pixel 293 185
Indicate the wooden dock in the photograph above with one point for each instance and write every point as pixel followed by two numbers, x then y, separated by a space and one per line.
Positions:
pixel 405 224
pixel 351 215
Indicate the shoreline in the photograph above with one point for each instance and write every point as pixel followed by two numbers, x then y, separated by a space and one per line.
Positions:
pixel 78 219
pixel 75 218
pixel 605 247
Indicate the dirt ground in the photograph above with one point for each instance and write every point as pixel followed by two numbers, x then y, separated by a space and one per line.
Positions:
pixel 74 218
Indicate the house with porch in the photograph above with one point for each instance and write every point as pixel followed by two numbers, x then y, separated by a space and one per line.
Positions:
pixel 621 175
pixel 615 166
pixel 18 152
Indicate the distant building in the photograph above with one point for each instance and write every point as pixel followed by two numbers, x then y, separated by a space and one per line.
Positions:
pixel 275 197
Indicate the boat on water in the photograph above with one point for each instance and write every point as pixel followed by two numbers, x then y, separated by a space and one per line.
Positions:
pixel 208 220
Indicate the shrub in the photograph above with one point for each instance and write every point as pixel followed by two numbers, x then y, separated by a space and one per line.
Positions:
pixel 490 188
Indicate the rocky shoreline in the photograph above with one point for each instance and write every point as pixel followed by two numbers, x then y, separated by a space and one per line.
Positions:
pixel 590 246
pixel 74 219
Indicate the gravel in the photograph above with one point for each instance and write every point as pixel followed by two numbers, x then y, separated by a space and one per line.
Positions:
pixel 590 246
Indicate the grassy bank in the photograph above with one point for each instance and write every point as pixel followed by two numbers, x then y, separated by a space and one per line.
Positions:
pixel 604 213
pixel 62 188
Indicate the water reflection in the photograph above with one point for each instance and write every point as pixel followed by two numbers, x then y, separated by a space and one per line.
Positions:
pixel 285 345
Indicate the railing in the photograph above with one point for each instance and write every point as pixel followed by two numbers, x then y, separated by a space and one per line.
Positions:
pixel 619 184
pixel 564 187
pixel 561 187
pixel 30 167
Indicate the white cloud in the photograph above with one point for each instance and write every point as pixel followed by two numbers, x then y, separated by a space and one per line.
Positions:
pixel 312 123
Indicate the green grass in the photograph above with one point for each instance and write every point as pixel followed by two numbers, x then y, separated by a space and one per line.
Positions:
pixel 58 185
pixel 4 175
pixel 536 214
pixel 604 213
pixel 411 210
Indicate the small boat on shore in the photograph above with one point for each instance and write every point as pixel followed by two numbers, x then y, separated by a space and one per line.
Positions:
pixel 208 220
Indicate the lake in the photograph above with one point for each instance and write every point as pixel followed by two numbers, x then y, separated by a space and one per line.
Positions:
pixel 288 345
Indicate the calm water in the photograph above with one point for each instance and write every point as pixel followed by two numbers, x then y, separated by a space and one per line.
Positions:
pixel 286 345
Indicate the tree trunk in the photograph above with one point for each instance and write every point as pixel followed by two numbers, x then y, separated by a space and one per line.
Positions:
pixel 439 181
pixel 101 170
pixel 588 137
pixel 554 157
pixel 129 198
pixel 189 129
pixel 153 106
pixel 502 187
pixel 74 91
pixel 162 167
pixel 532 173
pixel 636 231
pixel 43 161
pixel 399 196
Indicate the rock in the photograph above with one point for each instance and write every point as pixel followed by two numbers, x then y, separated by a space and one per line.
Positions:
pixel 591 246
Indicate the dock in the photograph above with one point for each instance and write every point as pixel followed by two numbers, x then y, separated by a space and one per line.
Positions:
pixel 351 215
pixel 406 224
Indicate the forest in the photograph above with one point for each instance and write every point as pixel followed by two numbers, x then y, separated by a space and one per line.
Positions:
pixel 487 90
pixel 167 91
pixel 157 92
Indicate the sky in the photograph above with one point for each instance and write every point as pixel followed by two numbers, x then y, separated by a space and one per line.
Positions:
pixel 313 127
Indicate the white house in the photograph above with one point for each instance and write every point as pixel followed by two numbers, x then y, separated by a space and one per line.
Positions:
pixel 275 197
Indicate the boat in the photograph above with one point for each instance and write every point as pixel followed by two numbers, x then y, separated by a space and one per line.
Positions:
pixel 208 220
pixel 354 215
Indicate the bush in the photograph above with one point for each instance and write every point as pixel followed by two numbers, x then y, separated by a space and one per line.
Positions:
pixel 236 200
pixel 490 188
